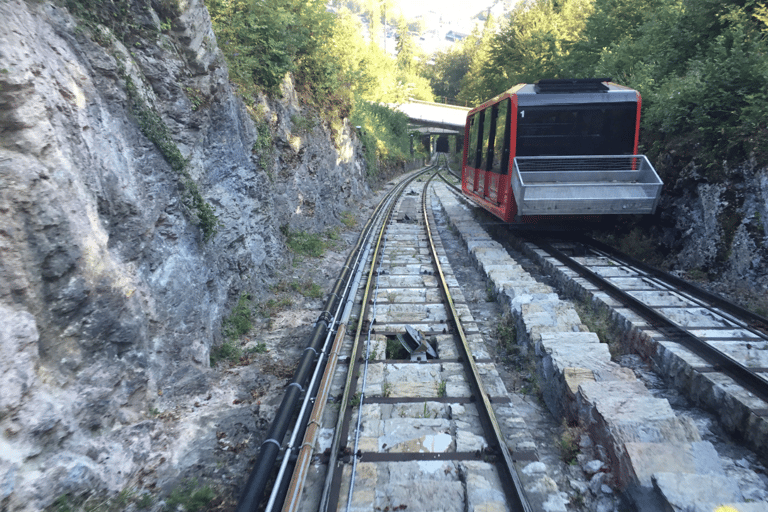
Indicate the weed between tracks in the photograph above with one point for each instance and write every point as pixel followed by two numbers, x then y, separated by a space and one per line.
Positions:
pixel 506 333
pixel 395 350
pixel 569 443
pixel 522 362
pixel 599 322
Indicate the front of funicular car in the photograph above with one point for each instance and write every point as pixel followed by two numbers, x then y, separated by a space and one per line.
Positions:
pixel 576 151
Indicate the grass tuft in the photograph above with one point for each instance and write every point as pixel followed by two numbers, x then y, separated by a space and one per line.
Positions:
pixel 190 496
pixel 569 443
pixel 227 351
pixel 239 320
pixel 303 244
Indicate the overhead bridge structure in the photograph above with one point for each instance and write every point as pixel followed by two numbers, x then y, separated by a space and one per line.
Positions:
pixel 434 115
pixel 436 122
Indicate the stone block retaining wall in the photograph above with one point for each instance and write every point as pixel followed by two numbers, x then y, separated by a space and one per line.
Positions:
pixel 657 458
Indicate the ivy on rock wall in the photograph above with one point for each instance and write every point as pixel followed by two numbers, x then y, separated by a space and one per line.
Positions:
pixel 134 23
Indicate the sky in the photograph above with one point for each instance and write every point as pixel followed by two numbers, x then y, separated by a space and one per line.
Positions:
pixel 443 16
pixel 447 9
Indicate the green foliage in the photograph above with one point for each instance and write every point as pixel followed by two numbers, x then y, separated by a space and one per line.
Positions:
pixel 534 43
pixel 599 322
pixel 303 243
pixel 259 39
pixel 476 48
pixel 153 127
pixel 228 351
pixel 272 306
pixel 144 501
pixel 696 274
pixel 405 47
pixel 263 148
pixel 61 504
pixel 190 496
pixel 263 40
pixel 383 132
pixel 309 289
pixel 441 387
pixel 506 332
pixel 370 72
pixel 239 320
pixel 761 14
pixel 115 15
pixel 490 294
pixel 449 68
pixel 98 502
pixel 569 443
pixel 348 219
pixel 302 124
pixel 196 97
pixel 334 67
pixel 259 348
pixel 395 349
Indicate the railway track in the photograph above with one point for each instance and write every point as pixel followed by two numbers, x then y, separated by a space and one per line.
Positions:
pixel 413 433
pixel 712 350
pixel 658 456
pixel 393 429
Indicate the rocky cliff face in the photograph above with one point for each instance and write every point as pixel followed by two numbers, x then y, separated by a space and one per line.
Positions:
pixel 110 299
pixel 714 227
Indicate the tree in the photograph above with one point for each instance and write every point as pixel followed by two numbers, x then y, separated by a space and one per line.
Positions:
pixel 406 49
pixel 536 41
pixel 475 86
pixel 448 70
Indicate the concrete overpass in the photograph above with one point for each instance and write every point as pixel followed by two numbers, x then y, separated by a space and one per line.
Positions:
pixel 438 116
pixel 435 123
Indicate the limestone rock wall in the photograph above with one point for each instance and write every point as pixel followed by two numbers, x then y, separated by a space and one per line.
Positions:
pixel 717 224
pixel 109 297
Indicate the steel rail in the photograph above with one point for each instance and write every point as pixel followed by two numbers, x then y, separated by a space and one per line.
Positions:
pixel 514 488
pixel 366 358
pixel 757 321
pixel 745 377
pixel 657 279
pixel 320 396
pixel 329 499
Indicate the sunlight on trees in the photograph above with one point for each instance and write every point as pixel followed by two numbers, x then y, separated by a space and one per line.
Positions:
pixel 701 65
